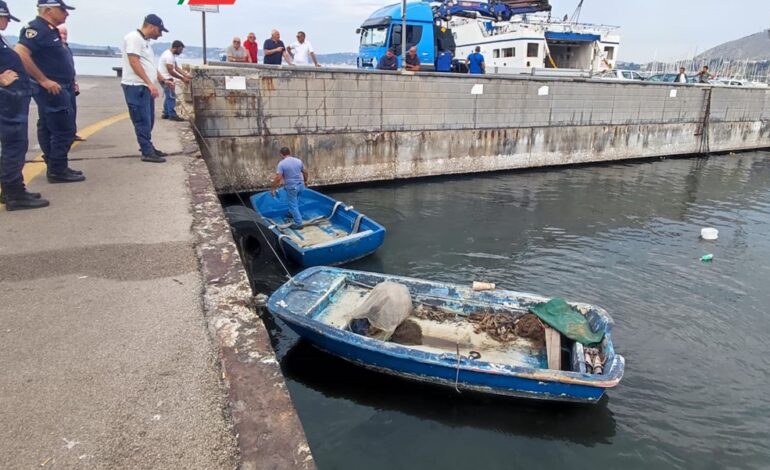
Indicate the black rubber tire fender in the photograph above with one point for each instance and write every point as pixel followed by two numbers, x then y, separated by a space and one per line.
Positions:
pixel 250 232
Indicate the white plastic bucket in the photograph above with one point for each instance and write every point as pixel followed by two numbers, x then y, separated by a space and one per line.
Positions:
pixel 709 233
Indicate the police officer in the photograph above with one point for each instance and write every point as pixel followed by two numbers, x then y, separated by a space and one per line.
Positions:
pixel 15 95
pixel 48 62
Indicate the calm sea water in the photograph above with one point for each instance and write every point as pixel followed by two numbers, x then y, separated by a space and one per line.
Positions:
pixel 625 236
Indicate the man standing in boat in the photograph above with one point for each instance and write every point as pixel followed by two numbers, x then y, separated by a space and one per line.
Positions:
pixel 292 173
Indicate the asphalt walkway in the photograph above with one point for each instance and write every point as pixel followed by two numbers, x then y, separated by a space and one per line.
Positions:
pixel 103 348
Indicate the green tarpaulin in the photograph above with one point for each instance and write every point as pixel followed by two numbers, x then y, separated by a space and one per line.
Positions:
pixel 569 322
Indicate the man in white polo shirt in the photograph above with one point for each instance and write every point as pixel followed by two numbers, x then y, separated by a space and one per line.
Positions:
pixel 169 70
pixel 302 51
pixel 140 83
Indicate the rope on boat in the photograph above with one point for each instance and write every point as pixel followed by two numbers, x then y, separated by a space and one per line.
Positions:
pixel 334 209
pixel 357 224
pixel 457 376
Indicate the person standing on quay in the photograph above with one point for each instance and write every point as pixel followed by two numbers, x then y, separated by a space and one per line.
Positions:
pixel 681 77
pixel 15 95
pixel 302 51
pixel 412 60
pixel 50 65
pixel 236 53
pixel 252 46
pixel 275 50
pixel 140 77
pixel 476 63
pixel 64 39
pixel 388 61
pixel 292 173
pixel 169 70
pixel 704 76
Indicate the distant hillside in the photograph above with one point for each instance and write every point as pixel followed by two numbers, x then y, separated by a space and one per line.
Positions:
pixel 754 47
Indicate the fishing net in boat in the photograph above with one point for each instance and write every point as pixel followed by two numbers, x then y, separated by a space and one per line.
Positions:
pixel 382 311
pixel 505 328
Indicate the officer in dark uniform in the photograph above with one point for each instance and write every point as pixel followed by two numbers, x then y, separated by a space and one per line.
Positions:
pixel 47 61
pixel 15 95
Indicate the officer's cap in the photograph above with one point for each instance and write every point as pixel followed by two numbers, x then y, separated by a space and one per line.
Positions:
pixel 4 11
pixel 155 21
pixel 54 3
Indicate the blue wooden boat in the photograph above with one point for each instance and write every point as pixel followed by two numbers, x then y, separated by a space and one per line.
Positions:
pixel 317 304
pixel 332 232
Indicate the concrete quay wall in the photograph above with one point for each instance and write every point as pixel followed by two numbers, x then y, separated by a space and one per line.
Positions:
pixel 351 126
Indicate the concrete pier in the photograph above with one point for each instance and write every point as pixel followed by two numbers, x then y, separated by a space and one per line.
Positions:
pixel 127 338
pixel 353 126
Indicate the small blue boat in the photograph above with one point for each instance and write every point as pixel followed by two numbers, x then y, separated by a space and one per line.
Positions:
pixel 454 349
pixel 332 232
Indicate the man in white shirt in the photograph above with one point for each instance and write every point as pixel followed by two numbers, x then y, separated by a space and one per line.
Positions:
pixel 169 70
pixel 302 51
pixel 681 77
pixel 140 83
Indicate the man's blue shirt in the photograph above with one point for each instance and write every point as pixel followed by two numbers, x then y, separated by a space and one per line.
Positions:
pixel 291 170
pixel 474 63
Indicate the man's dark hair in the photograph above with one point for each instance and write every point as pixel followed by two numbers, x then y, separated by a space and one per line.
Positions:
pixel 177 44
pixel 285 151
pixel 478 48
pixel 706 67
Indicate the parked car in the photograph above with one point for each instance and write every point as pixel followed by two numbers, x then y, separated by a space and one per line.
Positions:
pixel 619 75
pixel 670 78
pixel 729 82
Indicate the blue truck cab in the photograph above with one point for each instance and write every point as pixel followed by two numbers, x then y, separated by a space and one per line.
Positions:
pixel 382 30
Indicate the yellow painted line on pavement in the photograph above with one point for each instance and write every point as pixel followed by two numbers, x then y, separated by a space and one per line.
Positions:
pixel 35 167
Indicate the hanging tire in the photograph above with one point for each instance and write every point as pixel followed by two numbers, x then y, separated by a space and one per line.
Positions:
pixel 252 238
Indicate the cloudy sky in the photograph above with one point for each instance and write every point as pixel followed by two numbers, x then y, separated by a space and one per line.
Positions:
pixel 663 29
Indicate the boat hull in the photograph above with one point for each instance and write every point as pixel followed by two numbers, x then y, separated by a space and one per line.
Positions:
pixel 468 380
pixel 363 235
pixel 304 302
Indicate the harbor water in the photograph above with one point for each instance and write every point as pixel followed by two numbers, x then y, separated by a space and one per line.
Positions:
pixel 624 236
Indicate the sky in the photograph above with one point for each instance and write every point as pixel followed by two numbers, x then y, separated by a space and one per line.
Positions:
pixel 650 29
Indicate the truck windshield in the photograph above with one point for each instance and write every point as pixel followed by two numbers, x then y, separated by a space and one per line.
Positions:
pixel 374 36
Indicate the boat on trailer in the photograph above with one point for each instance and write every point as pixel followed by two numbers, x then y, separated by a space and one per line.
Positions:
pixel 466 341
pixel 332 232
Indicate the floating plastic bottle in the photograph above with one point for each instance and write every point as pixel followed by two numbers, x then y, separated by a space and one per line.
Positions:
pixel 707 258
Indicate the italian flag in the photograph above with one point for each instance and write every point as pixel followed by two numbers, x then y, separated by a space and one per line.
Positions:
pixel 206 2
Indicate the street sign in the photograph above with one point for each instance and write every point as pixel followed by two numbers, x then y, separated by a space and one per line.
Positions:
pixel 205 8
